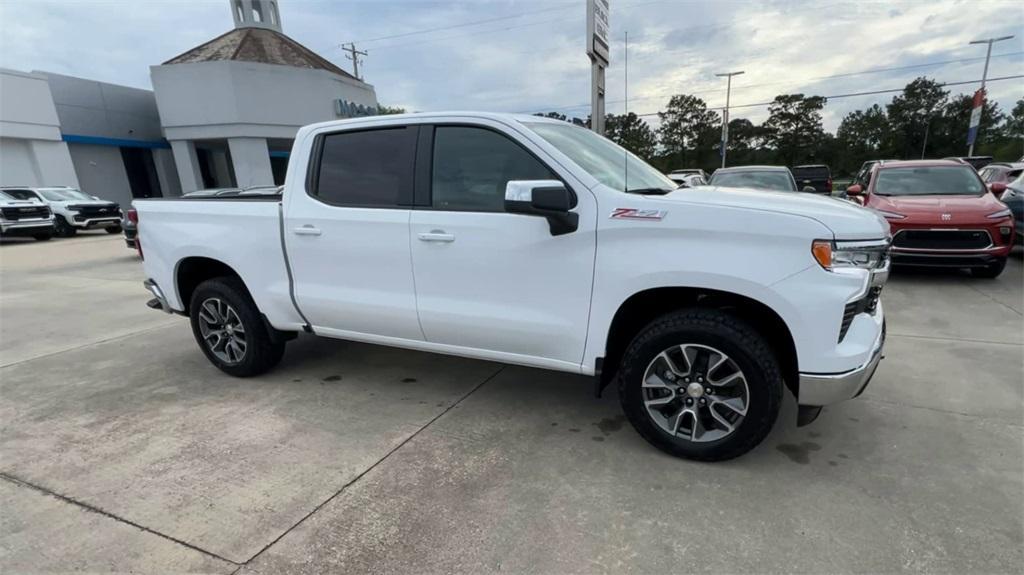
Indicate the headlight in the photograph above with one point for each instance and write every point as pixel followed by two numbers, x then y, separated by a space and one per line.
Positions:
pixel 867 255
pixel 891 215
pixel 1000 214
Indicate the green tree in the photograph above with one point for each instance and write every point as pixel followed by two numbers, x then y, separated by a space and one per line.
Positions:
pixel 388 110
pixel 948 134
pixel 793 127
pixel 862 136
pixel 688 126
pixel 631 132
pixel 912 114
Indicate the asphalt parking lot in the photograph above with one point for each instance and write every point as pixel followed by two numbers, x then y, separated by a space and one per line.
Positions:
pixel 123 449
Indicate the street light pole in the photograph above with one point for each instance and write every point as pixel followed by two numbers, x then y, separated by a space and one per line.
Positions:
pixel 984 76
pixel 725 115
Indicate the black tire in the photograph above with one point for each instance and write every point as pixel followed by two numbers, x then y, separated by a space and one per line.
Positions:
pixel 990 271
pixel 262 352
pixel 722 331
pixel 114 230
pixel 62 228
pixel 43 237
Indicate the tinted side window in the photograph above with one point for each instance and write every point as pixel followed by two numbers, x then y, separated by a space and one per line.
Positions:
pixel 473 165
pixel 372 168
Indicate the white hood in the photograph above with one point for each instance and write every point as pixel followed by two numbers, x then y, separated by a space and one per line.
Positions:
pixel 847 221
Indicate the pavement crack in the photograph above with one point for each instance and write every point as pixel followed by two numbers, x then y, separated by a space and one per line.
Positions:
pixel 965 339
pixel 91 508
pixel 945 411
pixel 391 452
pixel 1018 312
pixel 91 343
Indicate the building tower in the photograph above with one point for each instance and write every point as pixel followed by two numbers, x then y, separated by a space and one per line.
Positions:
pixel 256 14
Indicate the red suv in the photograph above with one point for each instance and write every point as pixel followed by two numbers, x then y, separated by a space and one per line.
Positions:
pixel 941 214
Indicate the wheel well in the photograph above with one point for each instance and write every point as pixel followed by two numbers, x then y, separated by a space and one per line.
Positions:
pixel 644 307
pixel 194 271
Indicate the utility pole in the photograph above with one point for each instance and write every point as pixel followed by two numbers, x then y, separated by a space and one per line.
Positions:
pixel 979 97
pixel 354 56
pixel 725 115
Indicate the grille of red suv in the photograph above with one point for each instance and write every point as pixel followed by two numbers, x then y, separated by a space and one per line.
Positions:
pixel 942 239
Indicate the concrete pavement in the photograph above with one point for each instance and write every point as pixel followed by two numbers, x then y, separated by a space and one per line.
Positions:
pixel 122 449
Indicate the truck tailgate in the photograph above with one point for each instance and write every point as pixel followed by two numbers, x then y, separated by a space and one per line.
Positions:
pixel 244 235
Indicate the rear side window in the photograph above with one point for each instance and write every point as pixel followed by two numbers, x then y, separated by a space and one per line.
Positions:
pixel 371 168
pixel 473 165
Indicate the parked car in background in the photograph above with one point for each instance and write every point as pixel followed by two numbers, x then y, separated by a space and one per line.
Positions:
pixel 941 215
pixel 575 246
pixel 24 217
pixel 976 162
pixel 73 209
pixel 686 171
pixel 863 177
pixel 817 176
pixel 1013 196
pixel 1001 172
pixel 130 226
pixel 777 178
pixel 688 180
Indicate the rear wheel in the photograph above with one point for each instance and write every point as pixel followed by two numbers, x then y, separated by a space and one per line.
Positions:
pixel 62 228
pixel 229 329
pixel 990 271
pixel 701 384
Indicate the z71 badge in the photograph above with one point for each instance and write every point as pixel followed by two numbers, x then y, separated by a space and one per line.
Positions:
pixel 637 214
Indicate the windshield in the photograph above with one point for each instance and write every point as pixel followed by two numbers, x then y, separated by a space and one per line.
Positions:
pixel 65 194
pixel 21 194
pixel 4 196
pixel 610 164
pixel 774 180
pixel 929 181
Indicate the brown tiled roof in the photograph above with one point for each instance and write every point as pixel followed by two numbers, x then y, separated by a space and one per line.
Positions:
pixel 257 45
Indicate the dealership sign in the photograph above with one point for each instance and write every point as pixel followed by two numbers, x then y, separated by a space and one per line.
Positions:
pixel 597 30
pixel 346 109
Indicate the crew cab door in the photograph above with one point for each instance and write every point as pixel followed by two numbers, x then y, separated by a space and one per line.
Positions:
pixel 347 234
pixel 491 280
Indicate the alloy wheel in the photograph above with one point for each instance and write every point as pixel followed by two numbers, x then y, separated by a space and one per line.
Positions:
pixel 222 330
pixel 695 392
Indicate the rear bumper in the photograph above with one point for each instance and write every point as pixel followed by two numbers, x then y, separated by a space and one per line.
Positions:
pixel 819 389
pixel 26 228
pixel 159 301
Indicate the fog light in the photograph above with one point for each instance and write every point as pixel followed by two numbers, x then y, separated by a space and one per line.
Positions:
pixel 1005 232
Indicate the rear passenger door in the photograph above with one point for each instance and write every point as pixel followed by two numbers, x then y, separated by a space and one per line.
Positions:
pixel 491 280
pixel 347 237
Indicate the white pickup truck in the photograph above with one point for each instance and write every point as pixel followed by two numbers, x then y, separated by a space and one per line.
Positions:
pixel 534 242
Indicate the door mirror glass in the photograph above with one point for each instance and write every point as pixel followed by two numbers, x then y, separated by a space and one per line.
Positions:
pixel 546 198
pixel 855 190
pixel 997 187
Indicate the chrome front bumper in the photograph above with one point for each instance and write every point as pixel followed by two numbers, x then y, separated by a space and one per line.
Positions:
pixel 819 389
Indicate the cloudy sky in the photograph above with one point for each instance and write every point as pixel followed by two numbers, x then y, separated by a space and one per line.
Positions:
pixel 528 55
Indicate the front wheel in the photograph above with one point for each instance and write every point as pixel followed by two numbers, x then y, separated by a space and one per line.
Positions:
pixel 229 329
pixel 990 271
pixel 62 228
pixel 701 384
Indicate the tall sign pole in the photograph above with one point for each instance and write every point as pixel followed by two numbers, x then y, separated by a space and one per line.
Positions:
pixel 979 96
pixel 597 50
pixel 725 114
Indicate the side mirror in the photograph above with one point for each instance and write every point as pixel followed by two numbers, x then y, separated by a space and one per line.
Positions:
pixel 855 190
pixel 549 199
pixel 997 188
pixel 809 189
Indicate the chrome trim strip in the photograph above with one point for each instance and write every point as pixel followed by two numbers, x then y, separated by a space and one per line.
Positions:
pixel 820 389
pixel 154 289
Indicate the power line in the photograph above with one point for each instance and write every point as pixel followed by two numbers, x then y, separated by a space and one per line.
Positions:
pixel 804 81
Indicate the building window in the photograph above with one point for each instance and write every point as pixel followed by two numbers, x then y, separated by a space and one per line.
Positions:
pixel 257 15
pixel 273 13
pixel 239 11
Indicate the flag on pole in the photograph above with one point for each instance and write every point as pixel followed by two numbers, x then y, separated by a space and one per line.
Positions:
pixel 979 103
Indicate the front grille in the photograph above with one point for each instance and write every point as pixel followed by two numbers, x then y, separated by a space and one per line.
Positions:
pixel 942 239
pixel 27 213
pixel 867 304
pixel 93 212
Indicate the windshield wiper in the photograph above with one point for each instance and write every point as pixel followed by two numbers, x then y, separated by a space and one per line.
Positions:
pixel 649 191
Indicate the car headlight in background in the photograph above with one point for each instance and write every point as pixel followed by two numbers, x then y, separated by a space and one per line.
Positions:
pixel 869 255
pixel 890 215
pixel 1005 213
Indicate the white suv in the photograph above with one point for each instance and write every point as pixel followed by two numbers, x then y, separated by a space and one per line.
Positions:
pixel 25 218
pixel 73 209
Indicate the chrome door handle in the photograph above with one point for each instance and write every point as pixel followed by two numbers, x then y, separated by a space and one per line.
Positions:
pixel 307 230
pixel 436 236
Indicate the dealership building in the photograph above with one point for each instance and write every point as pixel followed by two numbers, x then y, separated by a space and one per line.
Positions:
pixel 221 114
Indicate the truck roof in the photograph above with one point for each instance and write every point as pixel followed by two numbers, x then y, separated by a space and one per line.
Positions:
pixel 499 116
